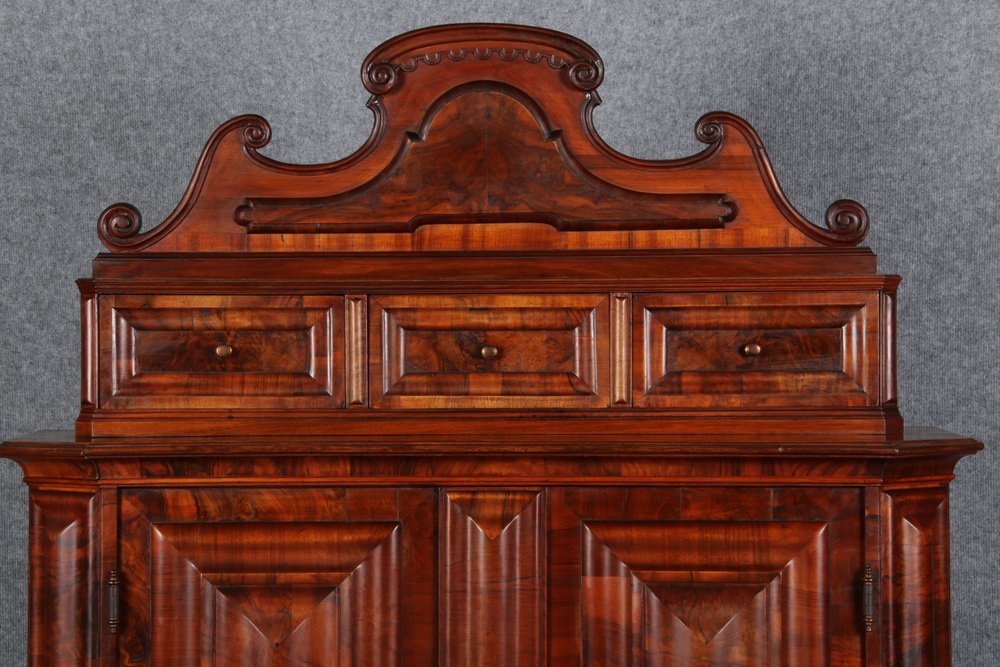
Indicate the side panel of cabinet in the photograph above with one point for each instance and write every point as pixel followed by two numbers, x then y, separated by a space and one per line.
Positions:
pixel 64 578
pixel 705 576
pixel 262 577
pixel 916 577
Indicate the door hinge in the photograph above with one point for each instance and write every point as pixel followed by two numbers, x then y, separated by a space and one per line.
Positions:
pixel 114 601
pixel 868 598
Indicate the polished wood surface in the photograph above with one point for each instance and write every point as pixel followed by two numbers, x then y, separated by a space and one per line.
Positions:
pixel 488 351
pixel 277 576
pixel 166 351
pixel 496 552
pixel 747 349
pixel 488 393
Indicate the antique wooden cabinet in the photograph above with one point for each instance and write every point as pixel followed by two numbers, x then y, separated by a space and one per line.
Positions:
pixel 488 392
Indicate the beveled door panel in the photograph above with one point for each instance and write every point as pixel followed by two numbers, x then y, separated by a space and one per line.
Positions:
pixel 526 351
pixel 222 352
pixel 252 577
pixel 493 565
pixel 747 350
pixel 709 577
pixel 701 593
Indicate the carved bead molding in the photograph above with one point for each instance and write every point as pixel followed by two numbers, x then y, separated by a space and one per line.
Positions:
pixel 384 68
pixel 380 77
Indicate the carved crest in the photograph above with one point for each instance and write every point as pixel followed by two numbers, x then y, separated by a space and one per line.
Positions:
pixel 483 140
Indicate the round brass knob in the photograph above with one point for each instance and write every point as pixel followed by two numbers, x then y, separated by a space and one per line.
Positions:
pixel 224 351
pixel 751 349
pixel 488 352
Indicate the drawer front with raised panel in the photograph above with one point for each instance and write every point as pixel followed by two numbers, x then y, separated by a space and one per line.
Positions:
pixel 222 352
pixel 748 350
pixel 499 351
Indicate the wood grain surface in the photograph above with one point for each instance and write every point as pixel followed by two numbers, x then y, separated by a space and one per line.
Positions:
pixel 488 393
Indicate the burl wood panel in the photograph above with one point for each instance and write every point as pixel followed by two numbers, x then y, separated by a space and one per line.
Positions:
pixel 490 351
pixel 502 168
pixel 916 579
pixel 65 582
pixel 757 350
pixel 276 577
pixel 160 351
pixel 493 578
pixel 695 576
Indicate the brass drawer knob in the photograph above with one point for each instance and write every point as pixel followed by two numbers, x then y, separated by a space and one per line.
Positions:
pixel 488 352
pixel 751 349
pixel 224 351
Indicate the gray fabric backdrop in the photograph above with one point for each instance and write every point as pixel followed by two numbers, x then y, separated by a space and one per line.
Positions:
pixel 891 103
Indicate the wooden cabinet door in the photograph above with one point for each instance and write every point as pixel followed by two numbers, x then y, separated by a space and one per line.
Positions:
pixel 610 577
pixel 705 577
pixel 276 577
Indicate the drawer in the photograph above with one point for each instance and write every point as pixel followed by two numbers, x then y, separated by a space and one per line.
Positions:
pixel 496 351
pixel 222 352
pixel 749 350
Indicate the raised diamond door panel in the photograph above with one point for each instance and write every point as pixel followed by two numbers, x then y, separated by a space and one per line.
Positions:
pixel 228 577
pixel 661 581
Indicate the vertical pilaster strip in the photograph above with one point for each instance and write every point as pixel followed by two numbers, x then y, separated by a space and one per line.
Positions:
pixel 493 577
pixel 873 550
pixel 916 586
pixel 621 350
pixel 88 346
pixel 356 353
pixel 108 499
pixel 888 351
pixel 64 582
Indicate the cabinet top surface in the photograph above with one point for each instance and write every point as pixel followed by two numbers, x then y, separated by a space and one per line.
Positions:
pixel 914 442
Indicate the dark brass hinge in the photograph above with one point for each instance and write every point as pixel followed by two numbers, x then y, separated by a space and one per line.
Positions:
pixel 868 598
pixel 114 601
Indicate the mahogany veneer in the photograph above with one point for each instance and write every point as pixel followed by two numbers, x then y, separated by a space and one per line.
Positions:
pixel 488 392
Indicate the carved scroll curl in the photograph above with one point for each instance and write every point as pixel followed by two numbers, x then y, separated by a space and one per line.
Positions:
pixel 848 220
pixel 708 130
pixel 586 75
pixel 256 132
pixel 119 222
pixel 379 78
pixel 119 225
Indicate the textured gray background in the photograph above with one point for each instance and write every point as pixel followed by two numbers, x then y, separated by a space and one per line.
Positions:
pixel 894 104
